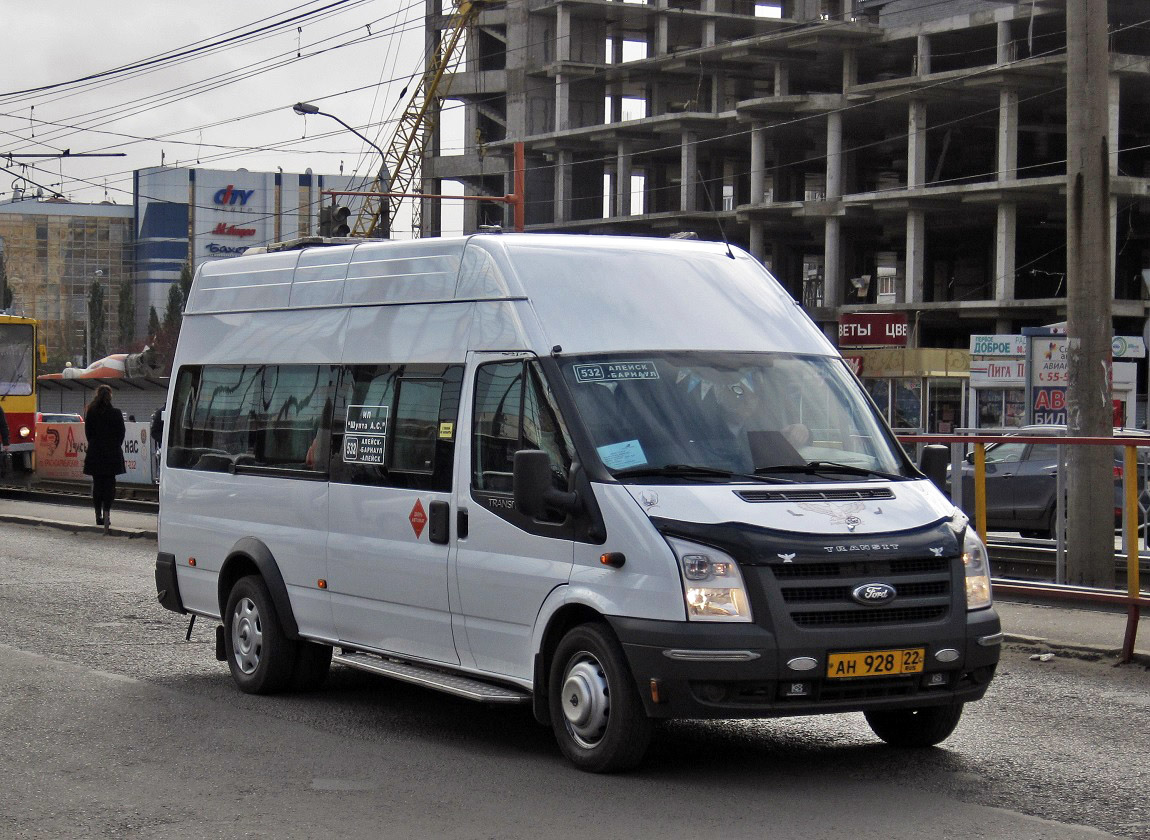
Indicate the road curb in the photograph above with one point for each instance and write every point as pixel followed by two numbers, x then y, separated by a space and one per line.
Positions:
pixel 1059 646
pixel 78 527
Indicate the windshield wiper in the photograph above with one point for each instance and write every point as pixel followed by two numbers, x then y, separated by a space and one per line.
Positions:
pixel 694 471
pixel 812 467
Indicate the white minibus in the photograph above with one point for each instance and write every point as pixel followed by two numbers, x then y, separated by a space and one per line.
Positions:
pixel 614 479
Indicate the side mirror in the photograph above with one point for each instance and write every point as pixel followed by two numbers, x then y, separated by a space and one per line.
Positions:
pixel 532 487
pixel 968 457
pixel 933 461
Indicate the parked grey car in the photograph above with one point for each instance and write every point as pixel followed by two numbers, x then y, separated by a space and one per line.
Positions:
pixel 1021 479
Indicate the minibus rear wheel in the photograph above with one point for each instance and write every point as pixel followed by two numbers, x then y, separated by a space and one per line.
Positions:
pixel 261 657
pixel 596 713
pixel 915 727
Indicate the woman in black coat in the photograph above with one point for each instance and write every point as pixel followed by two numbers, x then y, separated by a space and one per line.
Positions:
pixel 104 427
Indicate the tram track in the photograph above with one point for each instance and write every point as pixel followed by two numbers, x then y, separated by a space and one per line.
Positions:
pixel 135 499
pixel 1010 558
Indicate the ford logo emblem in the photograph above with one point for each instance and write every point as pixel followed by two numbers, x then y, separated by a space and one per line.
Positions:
pixel 874 593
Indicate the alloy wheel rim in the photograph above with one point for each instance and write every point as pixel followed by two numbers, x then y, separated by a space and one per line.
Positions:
pixel 247 635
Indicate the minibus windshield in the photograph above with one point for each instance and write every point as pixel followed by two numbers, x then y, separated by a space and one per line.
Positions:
pixel 699 416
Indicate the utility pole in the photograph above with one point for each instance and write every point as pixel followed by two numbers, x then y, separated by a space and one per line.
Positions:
pixel 1089 296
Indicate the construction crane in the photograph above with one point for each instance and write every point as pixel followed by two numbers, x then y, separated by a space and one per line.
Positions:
pixel 403 156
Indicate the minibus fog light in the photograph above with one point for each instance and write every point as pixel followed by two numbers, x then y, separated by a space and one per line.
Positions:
pixel 977 567
pixel 713 587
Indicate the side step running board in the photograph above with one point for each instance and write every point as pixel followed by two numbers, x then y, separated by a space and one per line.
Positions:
pixel 449 683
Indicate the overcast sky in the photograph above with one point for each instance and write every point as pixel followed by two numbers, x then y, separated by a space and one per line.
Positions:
pixel 224 108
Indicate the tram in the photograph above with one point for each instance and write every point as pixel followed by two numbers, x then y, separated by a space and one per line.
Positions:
pixel 18 343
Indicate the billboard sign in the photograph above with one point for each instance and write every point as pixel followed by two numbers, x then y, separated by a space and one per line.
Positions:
pixel 873 329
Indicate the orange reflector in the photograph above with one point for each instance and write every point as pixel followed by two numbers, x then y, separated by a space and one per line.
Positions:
pixel 321 583
pixel 615 559
pixel 655 691
pixel 191 561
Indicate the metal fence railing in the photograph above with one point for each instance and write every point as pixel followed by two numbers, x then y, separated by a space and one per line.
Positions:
pixel 1133 598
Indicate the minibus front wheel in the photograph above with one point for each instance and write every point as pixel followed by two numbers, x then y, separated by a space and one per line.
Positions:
pixel 596 713
pixel 923 727
pixel 261 657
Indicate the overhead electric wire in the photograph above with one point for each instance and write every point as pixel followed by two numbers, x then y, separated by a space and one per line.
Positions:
pixel 178 53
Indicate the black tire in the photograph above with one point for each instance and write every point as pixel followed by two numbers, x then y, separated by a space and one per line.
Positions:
pixel 915 727
pixel 596 714
pixel 312 663
pixel 260 656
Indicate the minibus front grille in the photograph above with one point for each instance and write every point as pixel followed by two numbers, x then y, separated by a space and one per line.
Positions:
pixel 841 594
pixel 869 617
pixel 819 593
pixel 865 494
pixel 862 568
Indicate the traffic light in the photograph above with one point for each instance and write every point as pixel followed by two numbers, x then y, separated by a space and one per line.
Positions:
pixel 333 220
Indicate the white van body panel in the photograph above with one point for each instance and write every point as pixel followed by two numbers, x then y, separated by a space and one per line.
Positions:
pixel 388 586
pixel 648 585
pixel 915 504
pixel 203 512
pixel 271 338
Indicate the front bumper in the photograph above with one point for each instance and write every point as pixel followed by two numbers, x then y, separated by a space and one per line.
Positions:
pixel 697 670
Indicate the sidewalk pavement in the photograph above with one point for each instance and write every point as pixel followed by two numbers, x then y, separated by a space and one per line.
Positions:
pixel 1057 628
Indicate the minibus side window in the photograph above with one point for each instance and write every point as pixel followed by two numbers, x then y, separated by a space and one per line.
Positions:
pixel 394 425
pixel 263 416
pixel 515 410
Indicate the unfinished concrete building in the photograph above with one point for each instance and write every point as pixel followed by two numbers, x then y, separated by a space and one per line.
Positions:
pixel 905 155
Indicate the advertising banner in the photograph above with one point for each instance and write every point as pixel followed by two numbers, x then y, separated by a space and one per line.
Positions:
pixel 1049 375
pixel 998 345
pixel 60 450
pixel 873 329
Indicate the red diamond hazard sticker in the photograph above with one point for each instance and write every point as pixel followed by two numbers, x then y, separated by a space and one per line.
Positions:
pixel 417 518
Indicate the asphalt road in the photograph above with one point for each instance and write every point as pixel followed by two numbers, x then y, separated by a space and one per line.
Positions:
pixel 114 726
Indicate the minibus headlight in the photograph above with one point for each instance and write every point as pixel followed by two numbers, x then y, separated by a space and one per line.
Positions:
pixel 977 567
pixel 713 587
pixel 25 432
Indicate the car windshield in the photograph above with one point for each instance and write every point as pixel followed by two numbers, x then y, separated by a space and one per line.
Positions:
pixel 713 416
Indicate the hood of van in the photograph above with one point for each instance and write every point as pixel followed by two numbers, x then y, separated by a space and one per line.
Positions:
pixel 838 508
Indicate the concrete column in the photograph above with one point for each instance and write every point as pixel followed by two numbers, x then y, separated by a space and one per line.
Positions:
pixel 662 33
pixel 850 69
pixel 689 171
pixel 782 78
pixel 562 102
pixel 833 263
pixel 623 178
pixel 834 155
pixel 758 251
pixel 1114 97
pixel 1005 239
pixel 709 25
pixel 1005 43
pixel 758 162
pixel 562 186
pixel 1007 135
pixel 915 257
pixel 562 33
pixel 922 56
pixel 916 145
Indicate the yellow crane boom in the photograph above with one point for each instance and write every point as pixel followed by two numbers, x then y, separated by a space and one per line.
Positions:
pixel 403 156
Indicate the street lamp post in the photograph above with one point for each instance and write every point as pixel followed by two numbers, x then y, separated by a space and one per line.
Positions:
pixel 306 108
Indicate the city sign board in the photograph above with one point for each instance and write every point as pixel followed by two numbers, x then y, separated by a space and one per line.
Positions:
pixel 873 329
pixel 998 345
